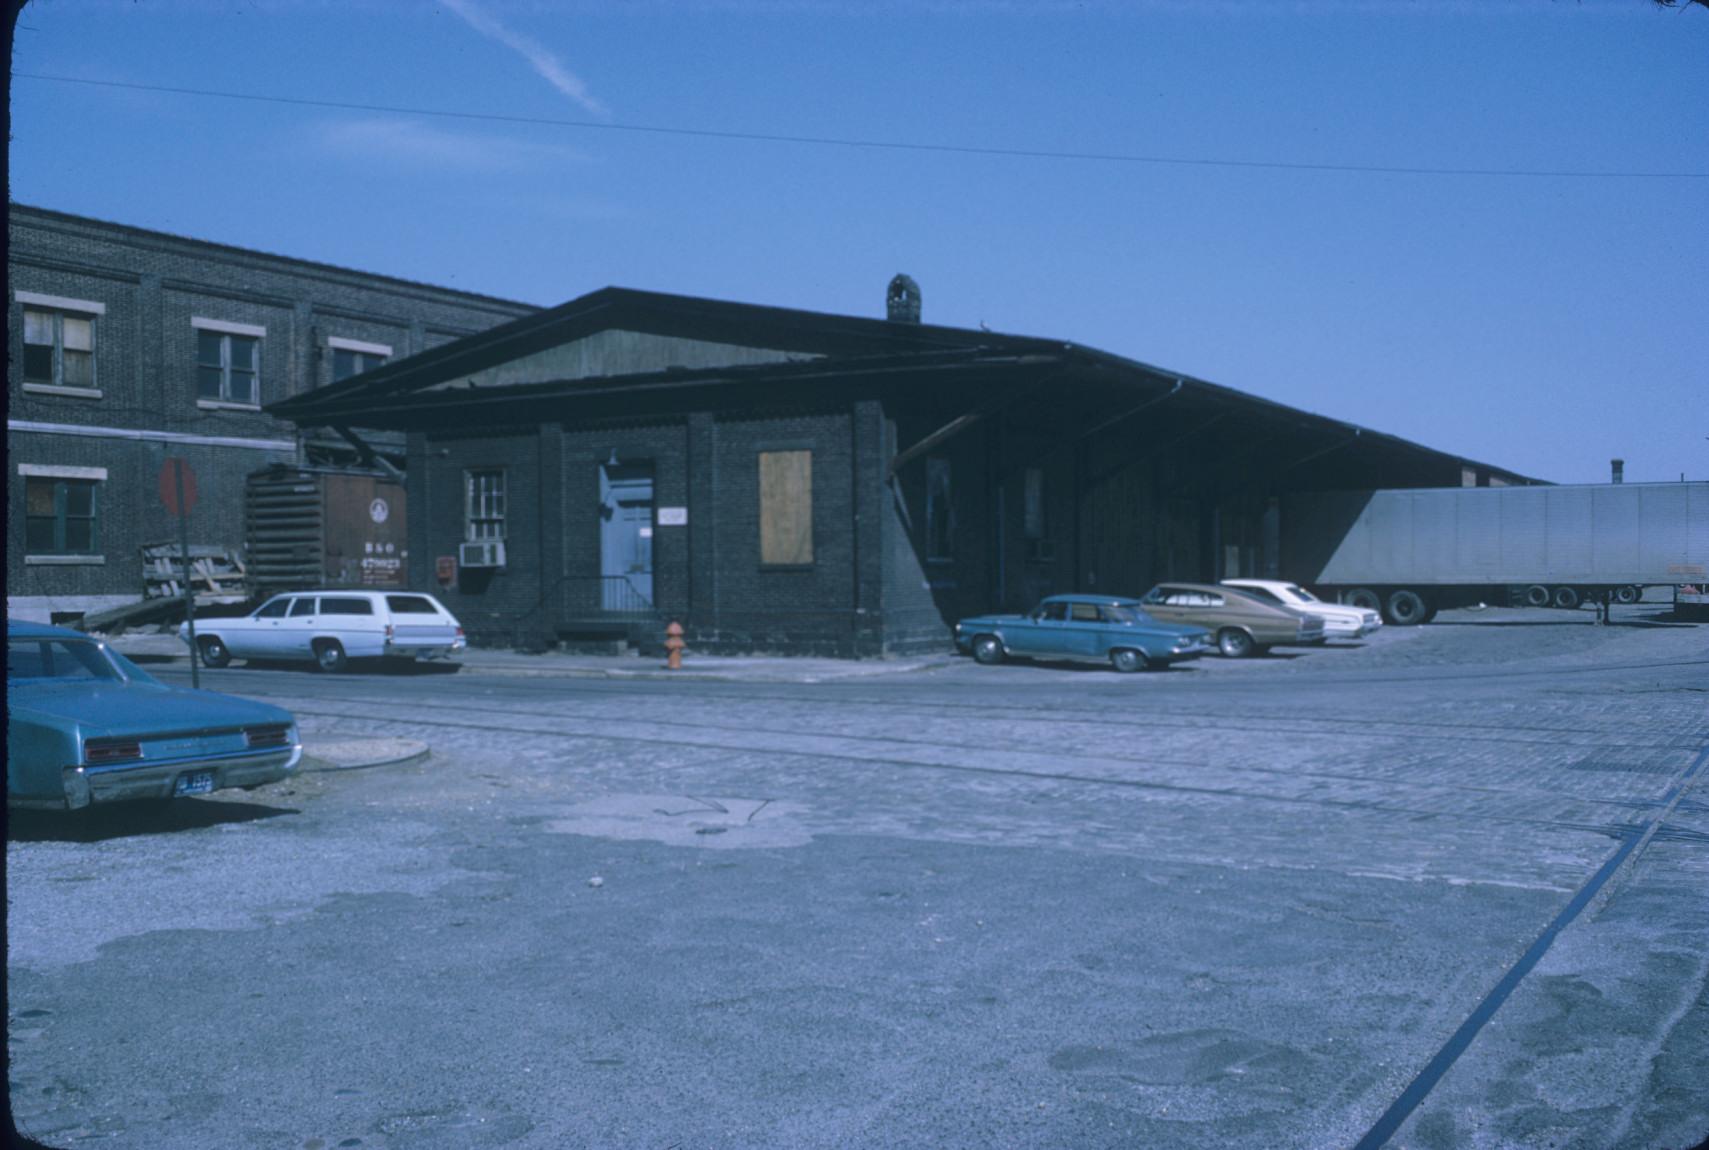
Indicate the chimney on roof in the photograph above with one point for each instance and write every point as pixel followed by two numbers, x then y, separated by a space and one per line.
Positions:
pixel 1619 466
pixel 902 302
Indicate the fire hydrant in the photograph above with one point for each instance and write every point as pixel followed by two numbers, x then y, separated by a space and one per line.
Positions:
pixel 674 646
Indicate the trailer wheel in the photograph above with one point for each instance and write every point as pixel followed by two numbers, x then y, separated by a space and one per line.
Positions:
pixel 1406 608
pixel 1365 599
pixel 1566 598
pixel 1628 594
pixel 1537 595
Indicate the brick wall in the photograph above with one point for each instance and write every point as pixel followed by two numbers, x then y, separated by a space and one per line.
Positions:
pixel 151 285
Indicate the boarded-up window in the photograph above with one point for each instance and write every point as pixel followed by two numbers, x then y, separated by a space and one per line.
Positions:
pixel 786 507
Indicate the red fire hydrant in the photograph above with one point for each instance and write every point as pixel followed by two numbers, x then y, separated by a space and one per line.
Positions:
pixel 674 646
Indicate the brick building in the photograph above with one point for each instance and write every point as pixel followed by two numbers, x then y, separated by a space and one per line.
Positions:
pixel 125 346
pixel 794 481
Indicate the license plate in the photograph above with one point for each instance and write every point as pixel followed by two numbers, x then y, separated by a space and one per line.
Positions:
pixel 196 783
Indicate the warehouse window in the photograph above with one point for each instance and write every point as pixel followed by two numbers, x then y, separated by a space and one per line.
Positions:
pixel 59 349
pixel 1033 504
pixel 60 515
pixel 786 508
pixel 228 368
pixel 352 357
pixel 940 513
pixel 484 504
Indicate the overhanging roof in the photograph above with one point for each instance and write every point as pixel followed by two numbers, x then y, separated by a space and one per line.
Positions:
pixel 846 348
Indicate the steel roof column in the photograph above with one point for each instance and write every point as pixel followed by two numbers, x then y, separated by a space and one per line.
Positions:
pixel 550 533
pixel 701 594
pixel 871 504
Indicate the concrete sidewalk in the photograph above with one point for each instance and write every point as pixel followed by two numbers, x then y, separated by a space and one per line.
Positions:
pixel 155 647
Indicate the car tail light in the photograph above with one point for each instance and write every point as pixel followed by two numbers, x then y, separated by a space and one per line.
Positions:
pixel 459 632
pixel 272 735
pixel 389 632
pixel 97 752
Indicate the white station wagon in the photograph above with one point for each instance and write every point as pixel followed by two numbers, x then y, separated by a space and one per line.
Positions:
pixel 331 628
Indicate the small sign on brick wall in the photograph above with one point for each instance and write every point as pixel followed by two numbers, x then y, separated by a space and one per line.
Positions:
pixel 673 517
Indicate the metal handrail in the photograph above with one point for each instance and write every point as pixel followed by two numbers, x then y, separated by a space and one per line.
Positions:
pixel 604 596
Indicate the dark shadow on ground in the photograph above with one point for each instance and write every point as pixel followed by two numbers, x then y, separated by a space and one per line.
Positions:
pixel 1657 623
pixel 1080 668
pixel 357 667
pixel 98 823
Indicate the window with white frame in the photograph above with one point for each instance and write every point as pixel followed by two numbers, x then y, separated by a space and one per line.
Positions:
pixel 60 510
pixel 352 357
pixel 228 363
pixel 484 504
pixel 59 348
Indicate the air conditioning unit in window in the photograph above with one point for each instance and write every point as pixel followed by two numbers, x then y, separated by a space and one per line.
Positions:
pixel 1041 550
pixel 487 553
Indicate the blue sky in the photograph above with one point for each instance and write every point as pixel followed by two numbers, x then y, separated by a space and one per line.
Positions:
pixel 1545 323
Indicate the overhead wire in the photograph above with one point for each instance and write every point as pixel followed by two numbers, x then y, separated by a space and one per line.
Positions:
pixel 878 144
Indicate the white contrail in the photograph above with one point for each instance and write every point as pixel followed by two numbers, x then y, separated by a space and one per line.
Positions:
pixel 541 59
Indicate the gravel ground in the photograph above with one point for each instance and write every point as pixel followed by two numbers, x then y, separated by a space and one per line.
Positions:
pixel 1247 904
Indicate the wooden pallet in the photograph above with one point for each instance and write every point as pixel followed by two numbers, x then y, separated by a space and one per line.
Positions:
pixel 217 574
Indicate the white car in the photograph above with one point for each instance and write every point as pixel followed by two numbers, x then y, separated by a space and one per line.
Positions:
pixel 1339 622
pixel 331 628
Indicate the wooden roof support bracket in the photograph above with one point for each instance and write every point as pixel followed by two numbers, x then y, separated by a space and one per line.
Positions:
pixel 367 454
pixel 954 427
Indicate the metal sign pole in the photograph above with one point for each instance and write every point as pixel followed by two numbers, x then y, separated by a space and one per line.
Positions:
pixel 189 589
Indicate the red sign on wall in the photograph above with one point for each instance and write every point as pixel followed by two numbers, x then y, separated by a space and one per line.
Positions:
pixel 445 567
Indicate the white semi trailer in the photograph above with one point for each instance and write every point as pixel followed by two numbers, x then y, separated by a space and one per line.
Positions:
pixel 1412 552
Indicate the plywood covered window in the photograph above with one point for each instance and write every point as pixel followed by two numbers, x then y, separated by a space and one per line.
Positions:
pixel 59 516
pixel 786 508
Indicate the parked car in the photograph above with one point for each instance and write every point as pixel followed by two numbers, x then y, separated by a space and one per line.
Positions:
pixel 86 725
pixel 1339 621
pixel 331 628
pixel 1243 625
pixel 1089 628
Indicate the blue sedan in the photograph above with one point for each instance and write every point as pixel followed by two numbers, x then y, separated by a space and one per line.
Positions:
pixel 1089 628
pixel 86 725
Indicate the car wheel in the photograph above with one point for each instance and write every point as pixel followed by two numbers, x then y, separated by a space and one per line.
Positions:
pixel 1406 608
pixel 214 652
pixel 1365 599
pixel 330 656
pixel 1127 660
pixel 1234 643
pixel 1628 594
pixel 988 649
pixel 1566 598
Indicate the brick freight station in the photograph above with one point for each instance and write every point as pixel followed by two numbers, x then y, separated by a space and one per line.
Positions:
pixel 793 481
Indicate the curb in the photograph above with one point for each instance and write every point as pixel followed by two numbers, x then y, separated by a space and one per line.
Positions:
pixel 714 675
pixel 313 763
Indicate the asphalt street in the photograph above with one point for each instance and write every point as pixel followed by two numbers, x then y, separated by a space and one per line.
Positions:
pixel 1446 887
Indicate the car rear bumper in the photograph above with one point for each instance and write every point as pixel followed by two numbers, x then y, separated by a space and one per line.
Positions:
pixel 85 785
pixel 434 649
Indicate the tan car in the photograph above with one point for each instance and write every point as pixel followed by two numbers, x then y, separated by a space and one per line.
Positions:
pixel 1241 624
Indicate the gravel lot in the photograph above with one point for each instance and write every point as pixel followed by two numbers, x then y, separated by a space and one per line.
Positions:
pixel 1442 888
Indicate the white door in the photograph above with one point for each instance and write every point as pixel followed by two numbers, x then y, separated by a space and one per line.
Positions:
pixel 256 635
